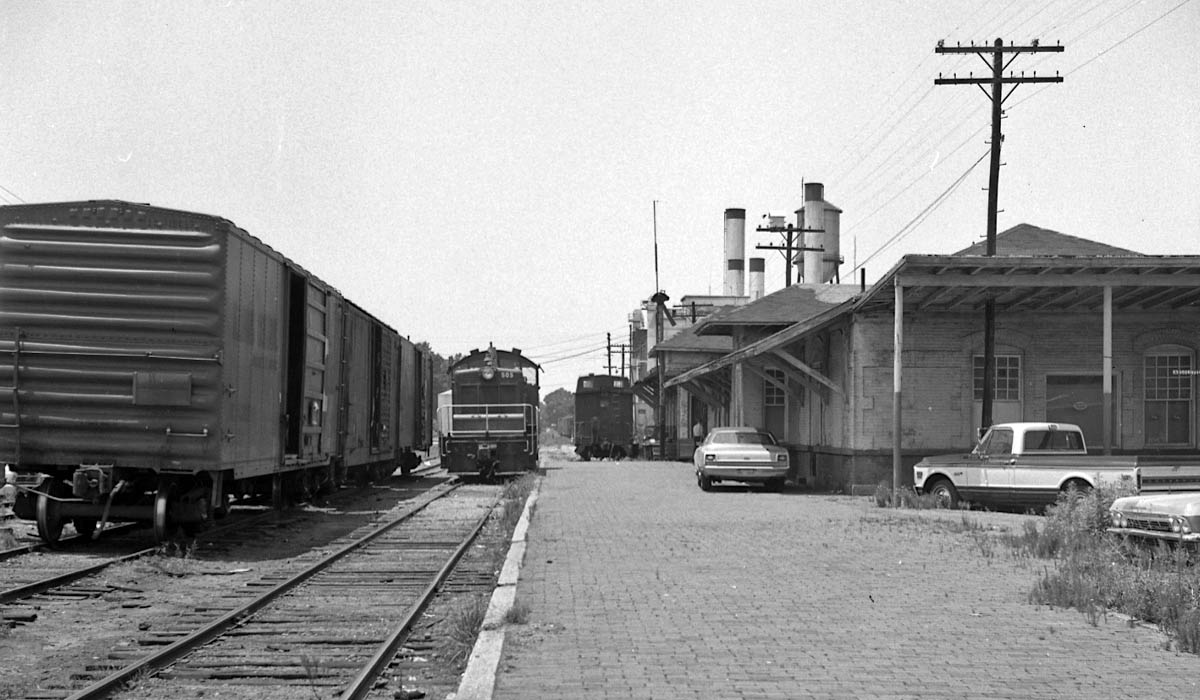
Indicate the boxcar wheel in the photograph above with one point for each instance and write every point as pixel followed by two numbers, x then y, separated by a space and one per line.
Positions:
pixel 49 515
pixel 162 511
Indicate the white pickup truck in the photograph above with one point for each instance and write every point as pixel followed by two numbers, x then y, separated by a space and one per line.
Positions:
pixel 1027 465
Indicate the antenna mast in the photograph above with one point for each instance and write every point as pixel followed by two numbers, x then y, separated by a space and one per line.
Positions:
pixel 655 205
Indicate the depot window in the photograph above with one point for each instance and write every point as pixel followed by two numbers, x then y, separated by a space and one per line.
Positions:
pixel 1006 384
pixel 1169 373
pixel 772 394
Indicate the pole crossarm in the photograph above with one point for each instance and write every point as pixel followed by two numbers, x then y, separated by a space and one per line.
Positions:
pixel 1010 80
pixel 993 48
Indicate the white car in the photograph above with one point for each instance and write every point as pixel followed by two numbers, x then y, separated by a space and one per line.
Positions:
pixel 1174 517
pixel 742 454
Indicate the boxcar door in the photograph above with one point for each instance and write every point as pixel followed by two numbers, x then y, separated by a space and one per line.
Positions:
pixel 307 338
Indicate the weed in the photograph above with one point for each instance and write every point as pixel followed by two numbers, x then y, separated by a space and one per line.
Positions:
pixel 903 497
pixel 173 560
pixel 518 614
pixel 1096 573
pixel 464 622
pixel 312 669
pixel 516 492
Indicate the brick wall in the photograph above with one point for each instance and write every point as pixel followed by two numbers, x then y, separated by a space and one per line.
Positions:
pixel 939 411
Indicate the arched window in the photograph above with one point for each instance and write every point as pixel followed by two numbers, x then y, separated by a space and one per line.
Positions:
pixel 1169 372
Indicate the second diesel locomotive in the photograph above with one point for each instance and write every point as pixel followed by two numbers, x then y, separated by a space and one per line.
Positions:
pixel 604 418
pixel 155 364
pixel 489 426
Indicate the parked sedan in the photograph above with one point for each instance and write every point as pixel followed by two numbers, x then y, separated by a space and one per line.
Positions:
pixel 742 454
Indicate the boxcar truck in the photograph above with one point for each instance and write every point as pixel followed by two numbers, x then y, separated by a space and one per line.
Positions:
pixel 603 417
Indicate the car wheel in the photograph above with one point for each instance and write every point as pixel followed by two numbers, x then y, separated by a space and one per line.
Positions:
pixel 705 481
pixel 944 493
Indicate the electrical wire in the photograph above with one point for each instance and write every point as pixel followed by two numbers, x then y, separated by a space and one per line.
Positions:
pixel 929 209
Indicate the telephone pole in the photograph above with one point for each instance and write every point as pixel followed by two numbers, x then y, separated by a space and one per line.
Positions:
pixel 997 80
pixel 791 244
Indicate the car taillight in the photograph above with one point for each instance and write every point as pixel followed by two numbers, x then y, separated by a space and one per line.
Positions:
pixel 780 458
pixel 710 458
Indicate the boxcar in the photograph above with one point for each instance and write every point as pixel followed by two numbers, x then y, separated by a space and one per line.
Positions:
pixel 155 364
pixel 604 417
pixel 489 428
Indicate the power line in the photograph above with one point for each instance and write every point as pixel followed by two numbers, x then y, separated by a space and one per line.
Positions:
pixel 929 208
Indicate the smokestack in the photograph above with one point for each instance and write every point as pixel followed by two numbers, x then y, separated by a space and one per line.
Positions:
pixel 735 252
pixel 821 265
pixel 757 278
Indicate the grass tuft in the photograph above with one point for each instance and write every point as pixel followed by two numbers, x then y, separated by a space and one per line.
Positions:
pixel 903 497
pixel 516 492
pixel 518 614
pixel 464 623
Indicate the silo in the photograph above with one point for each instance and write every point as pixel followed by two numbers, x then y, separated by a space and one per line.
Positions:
pixel 822 222
pixel 735 252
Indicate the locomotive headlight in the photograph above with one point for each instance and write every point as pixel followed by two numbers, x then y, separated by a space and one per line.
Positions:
pixel 488 372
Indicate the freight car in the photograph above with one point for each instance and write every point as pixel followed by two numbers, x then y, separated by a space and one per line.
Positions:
pixel 489 427
pixel 604 418
pixel 155 364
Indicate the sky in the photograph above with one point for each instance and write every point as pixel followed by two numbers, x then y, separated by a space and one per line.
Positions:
pixel 475 172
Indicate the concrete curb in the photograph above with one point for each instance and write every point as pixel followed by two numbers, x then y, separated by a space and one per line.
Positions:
pixel 479 679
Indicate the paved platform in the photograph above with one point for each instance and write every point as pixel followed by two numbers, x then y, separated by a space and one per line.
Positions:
pixel 639 585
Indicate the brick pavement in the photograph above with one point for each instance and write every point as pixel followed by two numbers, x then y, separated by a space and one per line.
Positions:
pixel 640 585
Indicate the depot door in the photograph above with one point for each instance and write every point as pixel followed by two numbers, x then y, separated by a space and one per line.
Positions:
pixel 1079 399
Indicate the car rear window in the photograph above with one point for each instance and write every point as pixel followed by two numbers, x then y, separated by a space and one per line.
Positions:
pixel 743 438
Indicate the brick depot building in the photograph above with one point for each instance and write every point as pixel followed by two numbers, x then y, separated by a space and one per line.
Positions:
pixel 822 366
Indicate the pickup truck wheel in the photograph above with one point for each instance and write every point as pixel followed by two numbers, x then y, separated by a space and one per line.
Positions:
pixel 1075 490
pixel 944 493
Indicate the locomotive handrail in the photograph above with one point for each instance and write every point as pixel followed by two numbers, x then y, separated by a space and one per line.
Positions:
pixel 490 414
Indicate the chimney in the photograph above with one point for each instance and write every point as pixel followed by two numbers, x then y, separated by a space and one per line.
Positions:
pixel 735 252
pixel 821 265
pixel 757 278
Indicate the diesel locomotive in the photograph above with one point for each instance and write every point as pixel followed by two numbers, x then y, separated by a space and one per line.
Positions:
pixel 156 364
pixel 489 426
pixel 604 418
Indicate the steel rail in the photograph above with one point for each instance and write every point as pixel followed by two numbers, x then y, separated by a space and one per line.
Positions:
pixel 215 629
pixel 35 587
pixel 365 680
pixel 69 540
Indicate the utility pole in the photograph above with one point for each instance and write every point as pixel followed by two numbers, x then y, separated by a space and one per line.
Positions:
pixel 608 362
pixel 997 96
pixel 791 245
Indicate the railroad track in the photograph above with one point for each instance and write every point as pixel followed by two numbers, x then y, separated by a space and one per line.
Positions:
pixel 58 572
pixel 335 625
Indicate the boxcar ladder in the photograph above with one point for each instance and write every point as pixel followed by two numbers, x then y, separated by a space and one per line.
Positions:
pixel 15 425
